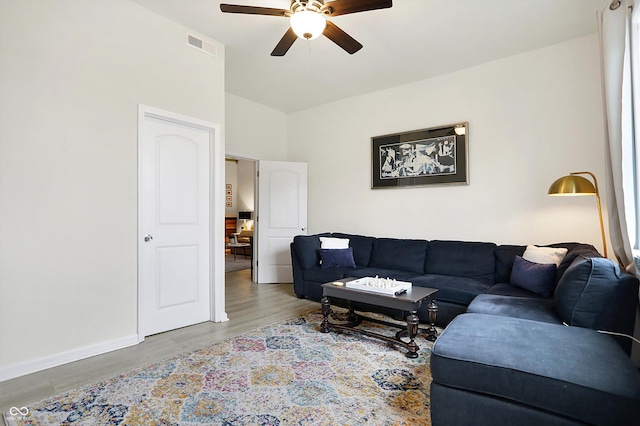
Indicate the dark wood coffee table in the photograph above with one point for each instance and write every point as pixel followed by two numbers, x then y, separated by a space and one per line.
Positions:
pixel 408 302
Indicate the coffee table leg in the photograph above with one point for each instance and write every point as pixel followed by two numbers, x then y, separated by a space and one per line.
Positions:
pixel 352 317
pixel 326 310
pixel 432 308
pixel 412 330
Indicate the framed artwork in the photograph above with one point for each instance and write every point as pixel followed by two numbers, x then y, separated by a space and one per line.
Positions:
pixel 229 186
pixel 229 198
pixel 434 156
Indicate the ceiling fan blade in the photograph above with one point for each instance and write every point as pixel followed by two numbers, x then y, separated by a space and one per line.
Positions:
pixel 253 10
pixel 285 43
pixel 342 39
pixel 343 7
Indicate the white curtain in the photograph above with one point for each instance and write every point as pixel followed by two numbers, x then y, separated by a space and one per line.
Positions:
pixel 614 30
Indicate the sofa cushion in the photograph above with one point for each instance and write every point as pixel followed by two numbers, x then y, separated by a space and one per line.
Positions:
pixel 361 246
pixel 337 258
pixel 504 289
pixel 588 291
pixel 463 259
pixel 401 255
pixel 504 258
pixel 308 249
pixel 531 308
pixel 545 254
pixel 570 371
pixel 575 250
pixel 536 277
pixel 460 290
pixel 333 243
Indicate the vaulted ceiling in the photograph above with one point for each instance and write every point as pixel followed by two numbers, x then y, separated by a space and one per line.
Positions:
pixel 414 40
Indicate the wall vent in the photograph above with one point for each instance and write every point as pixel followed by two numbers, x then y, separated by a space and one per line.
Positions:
pixel 202 44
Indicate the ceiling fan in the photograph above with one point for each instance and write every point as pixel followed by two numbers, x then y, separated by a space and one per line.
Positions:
pixel 308 20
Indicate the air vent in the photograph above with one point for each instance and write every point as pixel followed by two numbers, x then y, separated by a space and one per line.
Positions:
pixel 202 44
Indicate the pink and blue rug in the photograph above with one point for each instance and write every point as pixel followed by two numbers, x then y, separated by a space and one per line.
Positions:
pixel 282 374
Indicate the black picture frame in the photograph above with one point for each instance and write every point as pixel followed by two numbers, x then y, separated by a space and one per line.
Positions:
pixel 433 156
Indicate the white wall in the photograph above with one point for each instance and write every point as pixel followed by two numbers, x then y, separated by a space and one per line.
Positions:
pixel 533 118
pixel 255 131
pixel 72 74
pixel 246 185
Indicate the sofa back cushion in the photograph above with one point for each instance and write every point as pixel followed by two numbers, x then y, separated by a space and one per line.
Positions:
pixel 594 293
pixel 307 249
pixel 402 255
pixel 361 245
pixel 575 250
pixel 505 255
pixel 462 259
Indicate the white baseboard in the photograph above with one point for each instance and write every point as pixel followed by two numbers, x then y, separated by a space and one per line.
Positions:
pixel 8 372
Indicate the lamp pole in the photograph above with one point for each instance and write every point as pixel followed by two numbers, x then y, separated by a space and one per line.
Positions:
pixel 595 184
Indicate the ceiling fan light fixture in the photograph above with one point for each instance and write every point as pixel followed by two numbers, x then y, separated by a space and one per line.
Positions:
pixel 307 24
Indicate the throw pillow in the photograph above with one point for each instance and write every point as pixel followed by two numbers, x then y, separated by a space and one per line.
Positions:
pixel 337 258
pixel 334 243
pixel 544 254
pixel 536 277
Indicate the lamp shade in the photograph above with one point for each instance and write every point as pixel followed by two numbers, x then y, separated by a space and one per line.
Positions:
pixel 572 185
pixel 244 215
pixel 307 24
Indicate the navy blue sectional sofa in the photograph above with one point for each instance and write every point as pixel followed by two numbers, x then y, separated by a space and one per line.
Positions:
pixel 507 355
pixel 460 270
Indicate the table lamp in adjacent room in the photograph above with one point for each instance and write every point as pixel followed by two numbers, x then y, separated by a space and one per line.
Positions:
pixel 244 216
pixel 577 185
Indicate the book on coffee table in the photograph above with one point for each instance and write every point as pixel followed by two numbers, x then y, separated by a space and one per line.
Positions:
pixel 379 285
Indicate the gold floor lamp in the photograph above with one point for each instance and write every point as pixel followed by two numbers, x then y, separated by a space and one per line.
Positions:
pixel 577 185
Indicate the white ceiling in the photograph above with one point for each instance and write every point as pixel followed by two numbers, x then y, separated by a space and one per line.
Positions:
pixel 414 40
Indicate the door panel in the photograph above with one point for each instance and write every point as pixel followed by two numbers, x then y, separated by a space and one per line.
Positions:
pixel 178 276
pixel 282 214
pixel 178 180
pixel 174 261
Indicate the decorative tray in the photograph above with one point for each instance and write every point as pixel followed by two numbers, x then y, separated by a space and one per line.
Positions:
pixel 379 285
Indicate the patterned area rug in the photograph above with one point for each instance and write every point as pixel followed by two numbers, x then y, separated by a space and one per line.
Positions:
pixel 282 374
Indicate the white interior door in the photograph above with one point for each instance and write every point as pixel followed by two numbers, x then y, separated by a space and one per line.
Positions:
pixel 282 214
pixel 174 229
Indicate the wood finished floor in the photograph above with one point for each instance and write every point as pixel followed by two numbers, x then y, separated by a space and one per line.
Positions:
pixel 248 305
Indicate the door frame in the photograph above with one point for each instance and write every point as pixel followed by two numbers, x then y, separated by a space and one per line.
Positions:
pixel 216 209
pixel 255 256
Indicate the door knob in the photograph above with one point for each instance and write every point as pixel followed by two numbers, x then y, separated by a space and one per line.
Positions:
pixel 148 238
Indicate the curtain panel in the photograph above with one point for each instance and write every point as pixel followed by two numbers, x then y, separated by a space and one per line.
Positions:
pixel 614 34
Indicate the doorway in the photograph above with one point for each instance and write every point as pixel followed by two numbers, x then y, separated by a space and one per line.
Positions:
pixel 240 214
pixel 180 279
